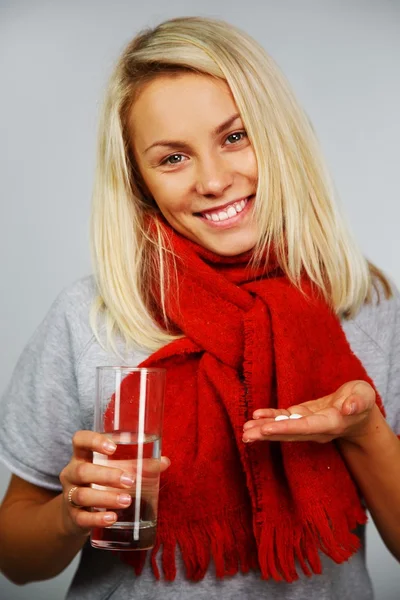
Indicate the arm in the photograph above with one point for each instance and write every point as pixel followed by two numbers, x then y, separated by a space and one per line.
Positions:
pixel 40 531
pixel 374 461
pixel 374 458
pixel 33 542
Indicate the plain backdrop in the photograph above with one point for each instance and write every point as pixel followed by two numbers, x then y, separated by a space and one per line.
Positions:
pixel 342 58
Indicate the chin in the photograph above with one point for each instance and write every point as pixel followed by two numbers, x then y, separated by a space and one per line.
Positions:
pixel 231 249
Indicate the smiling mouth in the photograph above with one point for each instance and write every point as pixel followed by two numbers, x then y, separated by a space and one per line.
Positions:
pixel 228 212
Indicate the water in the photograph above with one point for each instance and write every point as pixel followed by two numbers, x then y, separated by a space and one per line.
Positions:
pixel 135 528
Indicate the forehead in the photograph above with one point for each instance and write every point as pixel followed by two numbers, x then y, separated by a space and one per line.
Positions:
pixel 174 105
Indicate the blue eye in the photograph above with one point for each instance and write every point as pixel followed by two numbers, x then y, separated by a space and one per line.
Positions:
pixel 174 159
pixel 236 137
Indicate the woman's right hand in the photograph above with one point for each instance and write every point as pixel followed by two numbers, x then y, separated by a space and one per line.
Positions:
pixel 81 473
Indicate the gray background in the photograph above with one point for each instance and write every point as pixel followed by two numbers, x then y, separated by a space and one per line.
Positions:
pixel 342 58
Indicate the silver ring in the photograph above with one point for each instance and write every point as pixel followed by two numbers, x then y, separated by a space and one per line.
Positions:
pixel 72 503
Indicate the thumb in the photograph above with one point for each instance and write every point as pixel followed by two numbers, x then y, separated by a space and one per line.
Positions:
pixel 359 397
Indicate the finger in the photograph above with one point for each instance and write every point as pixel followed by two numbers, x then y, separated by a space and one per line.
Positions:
pixel 86 442
pixel 354 405
pixel 309 425
pixel 86 520
pixel 361 399
pixel 165 463
pixel 269 413
pixel 321 438
pixel 83 473
pixel 257 435
pixel 88 497
pixel 257 423
pixel 350 406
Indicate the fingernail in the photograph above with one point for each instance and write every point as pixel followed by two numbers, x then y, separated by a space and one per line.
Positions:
pixel 109 446
pixel 124 498
pixel 110 518
pixel 165 460
pixel 352 408
pixel 127 479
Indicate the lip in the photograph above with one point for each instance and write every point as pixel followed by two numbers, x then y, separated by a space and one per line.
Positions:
pixel 232 221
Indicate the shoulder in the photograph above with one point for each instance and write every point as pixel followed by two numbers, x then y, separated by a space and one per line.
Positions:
pixel 66 325
pixel 71 312
pixel 377 319
pixel 374 337
pixel 75 299
pixel 73 303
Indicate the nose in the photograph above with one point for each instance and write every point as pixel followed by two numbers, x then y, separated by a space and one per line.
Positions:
pixel 214 177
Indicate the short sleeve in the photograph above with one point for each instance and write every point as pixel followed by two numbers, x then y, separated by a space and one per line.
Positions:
pixel 39 410
pixel 392 397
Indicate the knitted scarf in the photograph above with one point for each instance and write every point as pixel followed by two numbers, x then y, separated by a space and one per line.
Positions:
pixel 251 340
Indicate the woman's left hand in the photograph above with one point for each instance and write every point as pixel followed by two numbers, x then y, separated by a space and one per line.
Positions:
pixel 347 414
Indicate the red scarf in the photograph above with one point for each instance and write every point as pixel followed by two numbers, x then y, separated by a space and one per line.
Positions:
pixel 252 340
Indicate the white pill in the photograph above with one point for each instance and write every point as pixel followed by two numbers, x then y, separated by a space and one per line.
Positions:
pixel 281 418
pixel 295 416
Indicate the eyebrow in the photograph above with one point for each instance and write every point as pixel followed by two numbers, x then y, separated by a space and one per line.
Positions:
pixel 183 145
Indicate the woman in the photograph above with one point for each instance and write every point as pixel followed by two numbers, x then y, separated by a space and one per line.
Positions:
pixel 219 255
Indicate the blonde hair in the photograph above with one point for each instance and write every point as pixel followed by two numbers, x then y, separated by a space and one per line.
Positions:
pixel 295 203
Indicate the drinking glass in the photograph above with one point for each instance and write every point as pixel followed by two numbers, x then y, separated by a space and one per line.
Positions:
pixel 129 408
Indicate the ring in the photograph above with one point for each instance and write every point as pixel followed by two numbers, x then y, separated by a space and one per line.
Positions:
pixel 72 503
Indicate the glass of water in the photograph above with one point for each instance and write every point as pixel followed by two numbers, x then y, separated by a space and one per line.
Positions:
pixel 129 408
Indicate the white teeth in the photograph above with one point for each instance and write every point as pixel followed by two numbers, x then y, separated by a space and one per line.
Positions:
pixel 228 213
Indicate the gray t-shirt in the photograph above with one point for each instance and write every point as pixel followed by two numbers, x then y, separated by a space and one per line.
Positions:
pixel 51 394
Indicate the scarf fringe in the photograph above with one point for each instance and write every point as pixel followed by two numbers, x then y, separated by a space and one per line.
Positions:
pixel 228 542
pixel 223 539
pixel 283 547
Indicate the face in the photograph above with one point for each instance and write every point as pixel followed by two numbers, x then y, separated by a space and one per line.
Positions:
pixel 196 160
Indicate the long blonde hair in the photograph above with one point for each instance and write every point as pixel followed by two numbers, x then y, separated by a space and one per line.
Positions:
pixel 295 204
